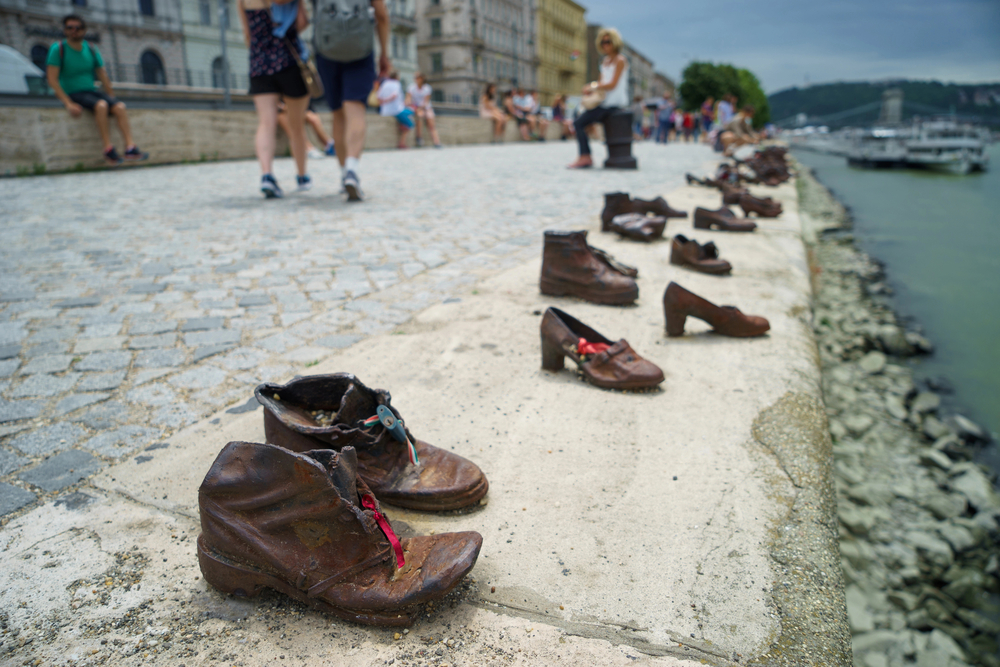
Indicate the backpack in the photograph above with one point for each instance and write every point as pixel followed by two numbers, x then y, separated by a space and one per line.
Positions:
pixel 343 30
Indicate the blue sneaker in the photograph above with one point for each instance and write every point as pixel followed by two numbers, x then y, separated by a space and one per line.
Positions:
pixel 270 188
pixel 303 183
pixel 331 150
pixel 352 185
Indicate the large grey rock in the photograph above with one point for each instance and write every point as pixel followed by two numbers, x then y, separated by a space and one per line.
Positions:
pixel 62 470
pixel 893 341
pixel 959 537
pixel 938 640
pixel 858 614
pixel 975 486
pixel 933 549
pixel 858 423
pixel 879 641
pixel 968 429
pixel 925 401
pixel 934 428
pixel 933 457
pixel 943 505
pixel 872 363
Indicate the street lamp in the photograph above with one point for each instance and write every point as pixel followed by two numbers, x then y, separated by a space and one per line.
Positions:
pixel 223 22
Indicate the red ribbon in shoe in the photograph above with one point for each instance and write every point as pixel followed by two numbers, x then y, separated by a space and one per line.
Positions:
pixel 583 347
pixel 369 503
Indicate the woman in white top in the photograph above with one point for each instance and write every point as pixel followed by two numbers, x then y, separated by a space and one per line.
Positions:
pixel 418 98
pixel 391 103
pixel 614 85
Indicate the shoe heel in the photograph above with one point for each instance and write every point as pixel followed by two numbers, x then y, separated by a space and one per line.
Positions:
pixel 701 223
pixel 230 579
pixel 675 322
pixel 551 288
pixel 552 356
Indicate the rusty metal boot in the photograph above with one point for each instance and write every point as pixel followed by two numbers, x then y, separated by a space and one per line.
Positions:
pixel 731 194
pixel 679 303
pixel 336 411
pixel 697 257
pixel 615 203
pixel 658 206
pixel 722 219
pixel 765 208
pixel 570 267
pixel 639 227
pixel 306 526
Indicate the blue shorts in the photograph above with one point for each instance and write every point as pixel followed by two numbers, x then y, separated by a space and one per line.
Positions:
pixel 350 82
pixel 405 117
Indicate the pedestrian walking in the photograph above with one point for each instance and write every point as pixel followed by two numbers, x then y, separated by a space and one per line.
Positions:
pixel 488 109
pixel 664 111
pixel 538 116
pixel 312 120
pixel 637 112
pixel 72 65
pixel 707 112
pixel 392 103
pixel 613 87
pixel 345 59
pixel 274 75
pixel 419 101
pixel 559 116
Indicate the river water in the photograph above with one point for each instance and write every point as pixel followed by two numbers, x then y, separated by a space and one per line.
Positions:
pixel 939 238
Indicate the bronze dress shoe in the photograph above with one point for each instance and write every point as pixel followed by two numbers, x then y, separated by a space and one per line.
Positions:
pixel 678 304
pixel 765 208
pixel 658 206
pixel 703 258
pixel 619 203
pixel 603 363
pixel 721 219
pixel 638 227
pixel 570 267
pixel 305 525
pixel 335 411
pixel 731 194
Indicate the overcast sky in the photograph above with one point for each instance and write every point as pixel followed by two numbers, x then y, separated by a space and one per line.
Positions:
pixel 785 41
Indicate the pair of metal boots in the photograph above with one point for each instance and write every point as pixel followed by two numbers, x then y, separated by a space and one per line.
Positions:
pixel 301 514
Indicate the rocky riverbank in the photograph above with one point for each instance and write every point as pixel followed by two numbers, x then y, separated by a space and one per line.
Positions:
pixel 918 518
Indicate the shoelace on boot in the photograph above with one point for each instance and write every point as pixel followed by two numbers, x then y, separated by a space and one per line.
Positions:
pixel 368 502
pixel 395 427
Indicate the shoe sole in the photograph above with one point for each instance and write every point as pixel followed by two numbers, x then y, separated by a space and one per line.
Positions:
pixel 554 288
pixel 470 497
pixel 270 194
pixel 223 574
pixel 353 192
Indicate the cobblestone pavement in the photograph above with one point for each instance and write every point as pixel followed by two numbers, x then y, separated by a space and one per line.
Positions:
pixel 133 303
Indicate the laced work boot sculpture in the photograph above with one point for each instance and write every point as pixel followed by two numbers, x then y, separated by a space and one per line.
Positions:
pixel 618 203
pixel 638 227
pixel 336 411
pixel 570 267
pixel 703 258
pixel 306 526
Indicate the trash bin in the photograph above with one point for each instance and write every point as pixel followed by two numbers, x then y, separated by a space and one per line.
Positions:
pixel 618 136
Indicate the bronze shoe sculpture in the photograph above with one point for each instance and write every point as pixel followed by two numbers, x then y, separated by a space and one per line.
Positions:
pixel 336 411
pixel 703 258
pixel 721 219
pixel 638 227
pixel 679 303
pixel 618 203
pixel 731 194
pixel 570 267
pixel 603 363
pixel 765 208
pixel 305 525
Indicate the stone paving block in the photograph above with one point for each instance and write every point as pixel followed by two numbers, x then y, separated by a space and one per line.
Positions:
pixel 87 345
pixel 14 410
pixel 147 288
pixel 243 358
pixel 48 439
pixel 77 401
pixel 9 351
pixel 159 358
pixel 235 267
pixel 254 300
pixel 279 342
pixel 8 366
pixel 50 334
pixel 40 314
pixel 156 269
pixel 55 363
pixel 104 361
pixel 143 377
pixel 101 330
pixel 101 381
pixel 121 441
pixel 210 294
pixel 201 377
pixel 79 302
pixel 307 355
pixel 411 269
pixel 209 351
pixel 203 323
pixel 338 341
pixel 104 416
pixel 45 349
pixel 151 326
pixel 150 342
pixel 13 498
pixel 155 395
pixel 288 319
pixel 176 415
pixel 44 384
pixel 9 462
pixel 143 308
pixel 217 337
pixel 62 470
pixel 16 295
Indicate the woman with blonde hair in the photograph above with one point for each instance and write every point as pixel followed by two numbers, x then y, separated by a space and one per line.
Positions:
pixel 488 109
pixel 613 86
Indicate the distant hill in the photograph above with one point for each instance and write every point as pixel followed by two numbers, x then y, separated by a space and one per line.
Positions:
pixel 976 102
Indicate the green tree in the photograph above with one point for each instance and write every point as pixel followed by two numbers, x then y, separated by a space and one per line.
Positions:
pixel 703 79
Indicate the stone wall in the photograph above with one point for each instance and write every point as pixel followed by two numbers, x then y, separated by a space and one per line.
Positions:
pixel 36 139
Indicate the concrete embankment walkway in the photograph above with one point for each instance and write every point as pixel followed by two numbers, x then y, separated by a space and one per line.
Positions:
pixel 690 525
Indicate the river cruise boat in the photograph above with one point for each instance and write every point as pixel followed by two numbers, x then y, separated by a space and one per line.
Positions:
pixel 878 147
pixel 948 146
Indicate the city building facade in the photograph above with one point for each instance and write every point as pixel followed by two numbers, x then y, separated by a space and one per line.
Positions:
pixel 561 48
pixel 661 83
pixel 203 21
pixel 464 44
pixel 141 40
pixel 402 39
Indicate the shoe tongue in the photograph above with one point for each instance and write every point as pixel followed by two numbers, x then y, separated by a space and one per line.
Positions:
pixel 342 467
pixel 711 251
pixel 356 404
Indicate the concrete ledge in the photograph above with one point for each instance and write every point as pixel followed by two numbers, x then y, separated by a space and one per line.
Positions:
pixel 46 139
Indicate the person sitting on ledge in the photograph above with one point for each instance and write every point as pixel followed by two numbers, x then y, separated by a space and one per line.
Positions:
pixel 72 66
pixel 738 132
pixel 614 85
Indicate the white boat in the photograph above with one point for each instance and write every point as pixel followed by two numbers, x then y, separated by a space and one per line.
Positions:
pixel 948 146
pixel 878 147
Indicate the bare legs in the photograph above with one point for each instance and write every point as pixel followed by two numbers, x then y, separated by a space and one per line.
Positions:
pixel 349 130
pixel 312 118
pixel 295 108
pixel 267 120
pixel 101 118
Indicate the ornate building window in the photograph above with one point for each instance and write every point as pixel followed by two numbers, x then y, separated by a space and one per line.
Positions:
pixel 152 69
pixel 437 63
pixel 146 8
pixel 435 28
pixel 205 12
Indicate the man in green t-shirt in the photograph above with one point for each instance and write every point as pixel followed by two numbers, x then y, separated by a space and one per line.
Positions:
pixel 73 64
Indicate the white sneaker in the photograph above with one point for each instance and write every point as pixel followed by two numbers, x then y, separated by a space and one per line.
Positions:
pixel 352 185
pixel 316 154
